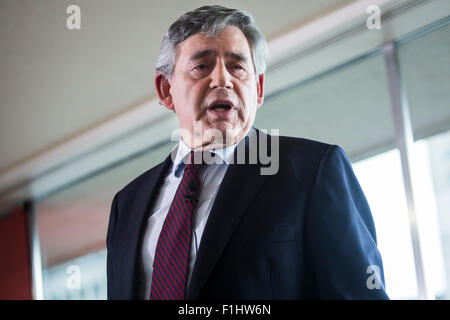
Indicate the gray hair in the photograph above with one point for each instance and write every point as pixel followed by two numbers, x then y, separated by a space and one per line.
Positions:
pixel 211 20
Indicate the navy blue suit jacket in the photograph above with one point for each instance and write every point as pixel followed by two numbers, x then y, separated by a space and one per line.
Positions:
pixel 305 232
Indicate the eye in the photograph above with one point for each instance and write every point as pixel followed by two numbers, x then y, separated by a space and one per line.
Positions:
pixel 238 70
pixel 200 67
pixel 200 70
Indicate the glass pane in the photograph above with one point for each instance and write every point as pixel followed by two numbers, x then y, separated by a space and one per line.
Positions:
pixel 349 107
pixel 381 179
pixel 432 174
pixel 425 71
pixel 78 279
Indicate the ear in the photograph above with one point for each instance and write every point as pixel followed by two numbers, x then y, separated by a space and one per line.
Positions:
pixel 162 85
pixel 260 89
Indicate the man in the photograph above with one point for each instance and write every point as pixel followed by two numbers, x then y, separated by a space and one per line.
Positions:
pixel 224 230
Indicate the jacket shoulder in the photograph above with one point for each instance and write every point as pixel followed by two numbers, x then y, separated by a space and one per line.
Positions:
pixel 306 149
pixel 308 156
pixel 304 144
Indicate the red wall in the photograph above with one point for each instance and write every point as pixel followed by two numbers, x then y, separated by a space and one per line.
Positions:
pixel 15 261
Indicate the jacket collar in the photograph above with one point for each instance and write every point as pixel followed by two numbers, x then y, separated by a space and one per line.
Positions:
pixel 240 184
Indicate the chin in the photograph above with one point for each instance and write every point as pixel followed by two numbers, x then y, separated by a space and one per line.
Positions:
pixel 222 133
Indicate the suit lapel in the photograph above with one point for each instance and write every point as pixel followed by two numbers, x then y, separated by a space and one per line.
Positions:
pixel 238 188
pixel 145 197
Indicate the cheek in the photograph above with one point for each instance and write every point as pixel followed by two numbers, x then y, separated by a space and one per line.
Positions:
pixel 248 96
pixel 188 98
pixel 195 94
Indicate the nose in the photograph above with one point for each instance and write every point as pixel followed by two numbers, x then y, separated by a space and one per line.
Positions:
pixel 220 77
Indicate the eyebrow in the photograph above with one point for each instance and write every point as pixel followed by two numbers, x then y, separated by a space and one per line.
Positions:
pixel 201 54
pixel 204 53
pixel 237 56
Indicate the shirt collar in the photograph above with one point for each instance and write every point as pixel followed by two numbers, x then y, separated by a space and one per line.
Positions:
pixel 225 155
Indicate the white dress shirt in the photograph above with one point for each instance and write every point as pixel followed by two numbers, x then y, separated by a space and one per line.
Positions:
pixel 210 179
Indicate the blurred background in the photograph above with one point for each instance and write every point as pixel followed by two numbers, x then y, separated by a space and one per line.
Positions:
pixel 79 119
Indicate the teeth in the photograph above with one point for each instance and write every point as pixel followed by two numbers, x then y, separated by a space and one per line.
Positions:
pixel 221 107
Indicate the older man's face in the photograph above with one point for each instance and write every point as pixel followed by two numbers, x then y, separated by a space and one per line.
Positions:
pixel 214 89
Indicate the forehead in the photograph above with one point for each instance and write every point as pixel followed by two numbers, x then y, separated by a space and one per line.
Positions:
pixel 230 40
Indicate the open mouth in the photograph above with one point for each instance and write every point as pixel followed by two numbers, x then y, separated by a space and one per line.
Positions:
pixel 221 106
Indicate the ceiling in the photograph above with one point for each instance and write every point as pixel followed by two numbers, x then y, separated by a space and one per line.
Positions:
pixel 57 83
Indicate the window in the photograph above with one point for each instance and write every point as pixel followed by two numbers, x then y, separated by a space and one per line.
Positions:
pixel 349 106
pixel 425 71
pixel 436 151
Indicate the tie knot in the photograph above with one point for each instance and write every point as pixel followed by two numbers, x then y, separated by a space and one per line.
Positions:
pixel 195 161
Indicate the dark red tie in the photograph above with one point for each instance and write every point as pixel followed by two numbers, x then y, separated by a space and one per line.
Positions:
pixel 170 264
